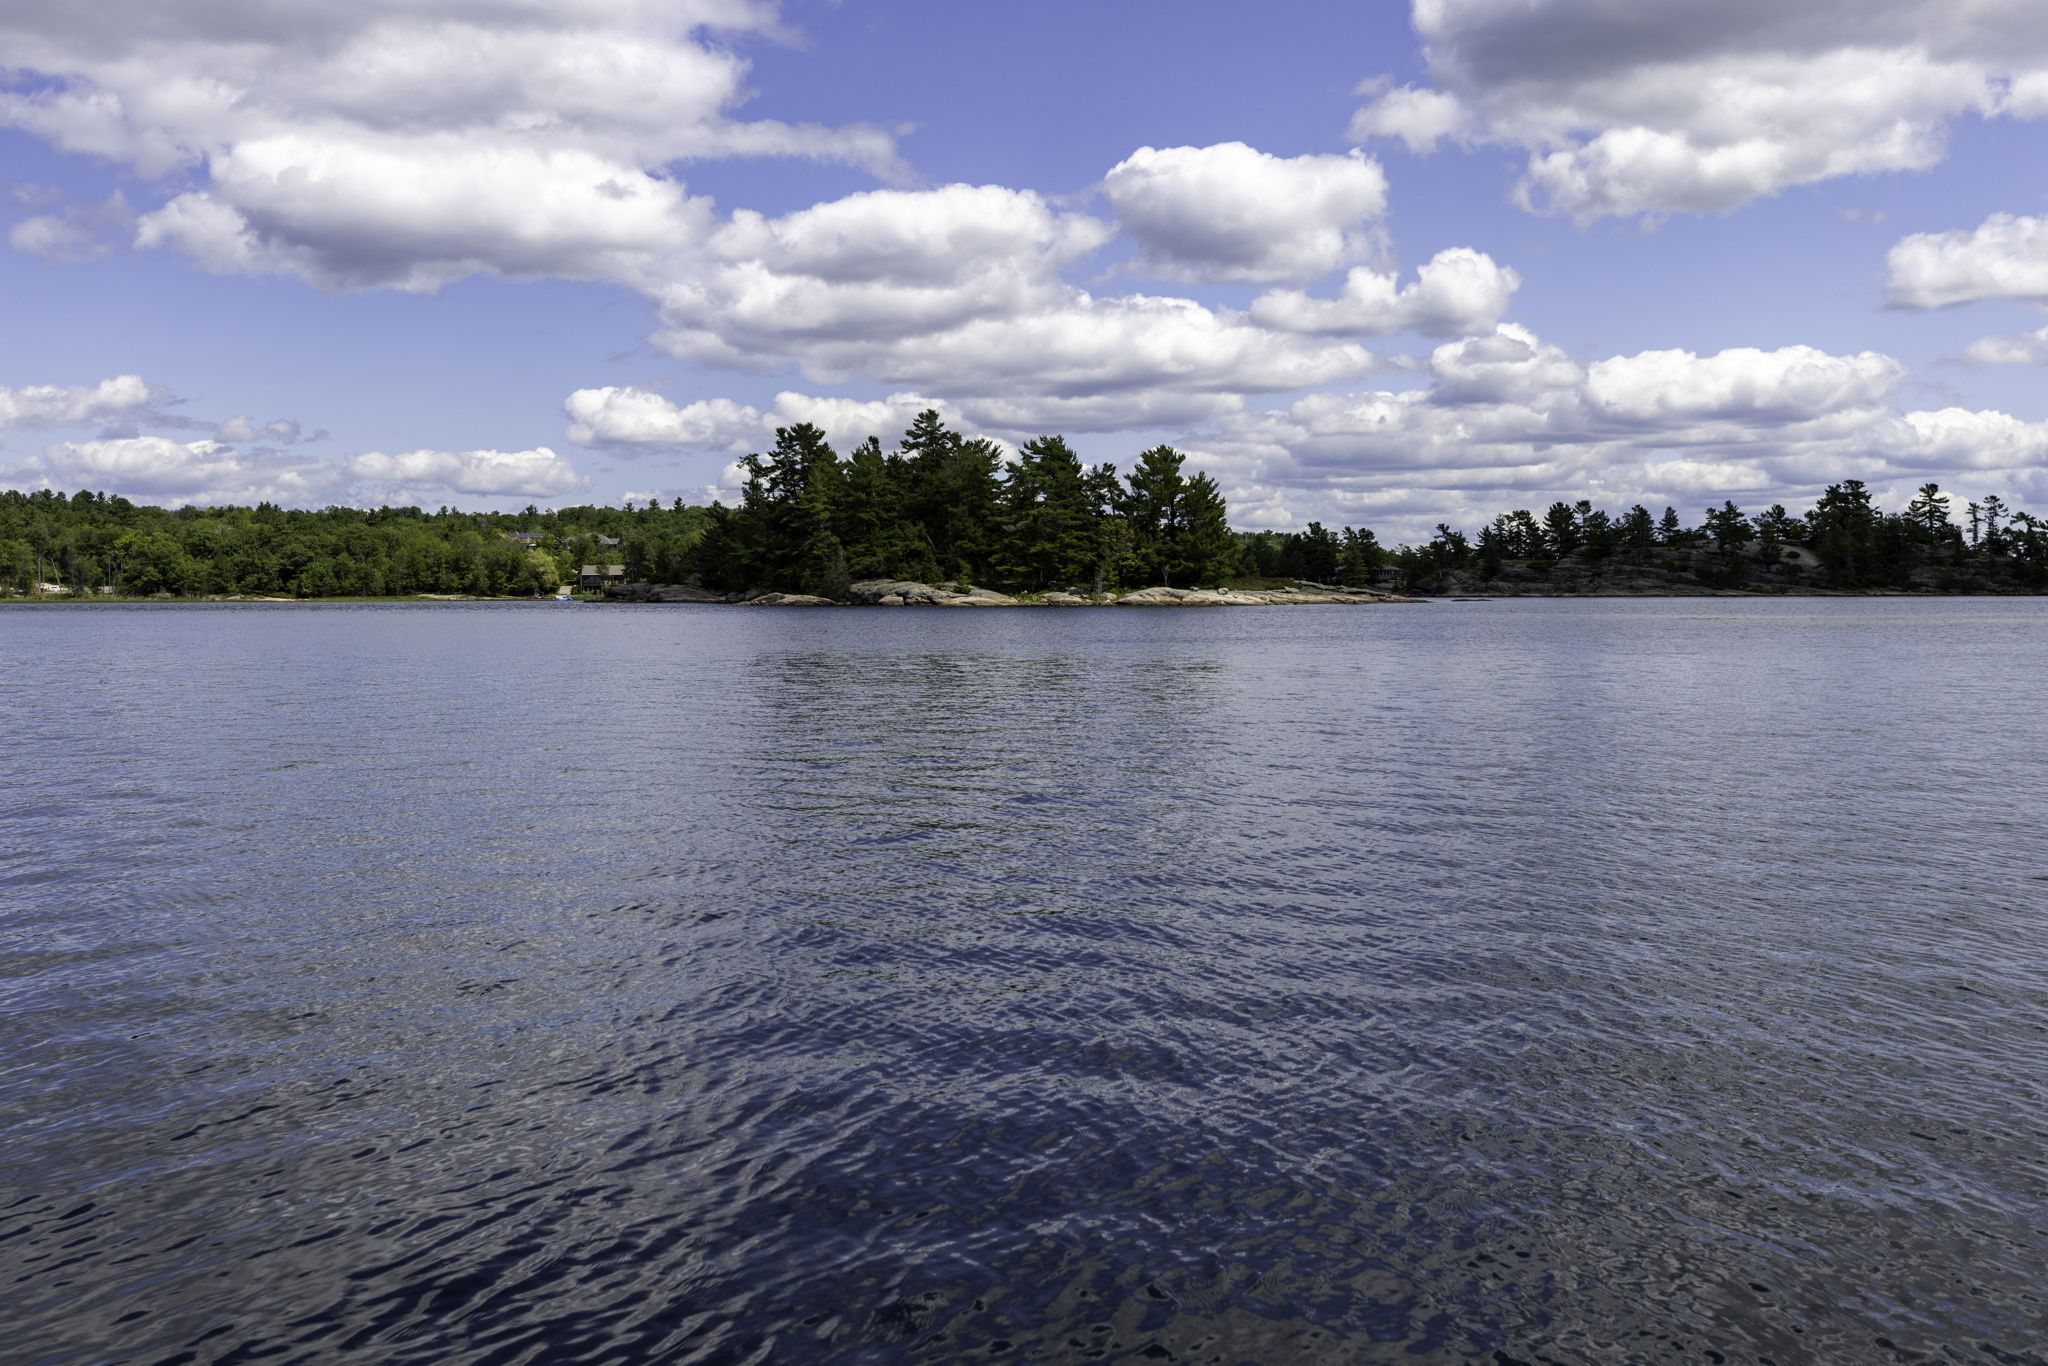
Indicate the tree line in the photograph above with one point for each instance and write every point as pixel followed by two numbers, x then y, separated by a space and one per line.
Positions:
pixel 943 507
pixel 91 541
pixel 1855 544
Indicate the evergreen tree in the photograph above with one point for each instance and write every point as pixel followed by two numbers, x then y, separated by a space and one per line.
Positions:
pixel 1995 513
pixel 1928 514
pixel 1319 551
pixel 880 539
pixel 1055 516
pixel 953 494
pixel 1728 527
pixel 1448 549
pixel 1359 561
pixel 1775 526
pixel 1638 531
pixel 1522 535
pixel 1151 506
pixel 1561 529
pixel 1843 528
pixel 1492 549
pixel 1599 532
pixel 1207 549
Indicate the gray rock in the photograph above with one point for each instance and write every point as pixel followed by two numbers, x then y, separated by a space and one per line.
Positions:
pixel 896 593
pixel 1170 597
pixel 681 592
pixel 906 593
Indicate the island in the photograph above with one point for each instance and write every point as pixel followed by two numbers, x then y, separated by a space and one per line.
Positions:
pixel 904 593
pixel 949 520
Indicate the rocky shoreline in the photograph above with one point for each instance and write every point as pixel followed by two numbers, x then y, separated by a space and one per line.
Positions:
pixel 905 593
pixel 1743 571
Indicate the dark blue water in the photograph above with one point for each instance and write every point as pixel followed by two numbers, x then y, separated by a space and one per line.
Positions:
pixel 1524 982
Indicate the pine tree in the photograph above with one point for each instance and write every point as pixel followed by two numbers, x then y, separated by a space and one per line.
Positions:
pixel 1928 514
pixel 1055 518
pixel 953 494
pixel 1362 556
pixel 1638 531
pixel 1151 505
pixel 1208 549
pixel 1728 527
pixel 1561 529
pixel 1995 512
pixel 1775 526
pixel 1844 531
pixel 881 541
pixel 1319 550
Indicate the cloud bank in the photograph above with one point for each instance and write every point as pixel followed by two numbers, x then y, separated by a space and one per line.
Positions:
pixel 1661 106
pixel 244 462
pixel 1508 420
pixel 387 146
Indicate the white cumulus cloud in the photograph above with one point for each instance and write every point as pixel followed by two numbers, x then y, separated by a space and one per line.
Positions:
pixel 536 473
pixel 1456 292
pixel 2029 348
pixel 1232 212
pixel 123 398
pixel 641 417
pixel 387 144
pixel 622 415
pixel 1791 384
pixel 1419 118
pixel 160 469
pixel 2004 257
pixel 1669 105
pixel 957 293
pixel 405 146
pixel 1508 420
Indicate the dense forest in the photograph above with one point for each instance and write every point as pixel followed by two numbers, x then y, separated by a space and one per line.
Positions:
pixel 946 508
pixel 1844 543
pixel 89 541
pixel 943 507
pixel 940 507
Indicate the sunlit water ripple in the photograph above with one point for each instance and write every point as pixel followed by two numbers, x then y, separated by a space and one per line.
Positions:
pixel 1525 982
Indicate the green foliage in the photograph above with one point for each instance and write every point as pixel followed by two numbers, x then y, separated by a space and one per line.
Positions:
pixel 1842 529
pixel 945 508
pixel 1728 527
pixel 1638 532
pixel 89 540
pixel 1858 545
pixel 1207 551
pixel 1561 531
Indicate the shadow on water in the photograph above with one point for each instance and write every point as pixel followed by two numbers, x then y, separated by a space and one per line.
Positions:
pixel 1499 986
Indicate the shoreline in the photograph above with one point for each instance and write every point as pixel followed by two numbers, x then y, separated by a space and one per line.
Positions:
pixel 1171 598
pixel 906 593
pixel 909 593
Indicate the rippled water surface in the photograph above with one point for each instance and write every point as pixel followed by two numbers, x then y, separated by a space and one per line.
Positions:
pixel 1518 982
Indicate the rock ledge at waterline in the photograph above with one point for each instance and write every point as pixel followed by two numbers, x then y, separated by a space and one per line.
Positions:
pixel 904 593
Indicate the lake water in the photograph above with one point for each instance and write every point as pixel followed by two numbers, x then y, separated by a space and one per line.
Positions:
pixel 1574 982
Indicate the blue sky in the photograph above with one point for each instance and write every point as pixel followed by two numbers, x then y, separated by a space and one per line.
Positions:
pixel 1368 264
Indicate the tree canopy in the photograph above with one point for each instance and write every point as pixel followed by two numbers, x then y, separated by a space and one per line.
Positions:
pixel 943 507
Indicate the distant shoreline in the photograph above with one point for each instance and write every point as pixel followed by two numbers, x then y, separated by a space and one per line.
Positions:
pixel 651 595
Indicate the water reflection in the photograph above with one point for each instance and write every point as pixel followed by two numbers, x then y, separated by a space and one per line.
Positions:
pixel 1504 984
